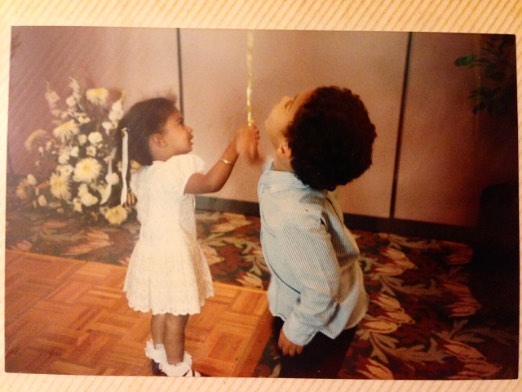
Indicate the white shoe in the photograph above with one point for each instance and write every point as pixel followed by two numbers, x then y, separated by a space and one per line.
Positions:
pixel 159 356
pixel 158 353
pixel 181 369
pixel 187 358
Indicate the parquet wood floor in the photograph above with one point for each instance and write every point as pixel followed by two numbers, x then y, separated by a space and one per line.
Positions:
pixel 71 317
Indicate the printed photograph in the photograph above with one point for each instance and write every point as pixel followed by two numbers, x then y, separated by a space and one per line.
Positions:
pixel 186 202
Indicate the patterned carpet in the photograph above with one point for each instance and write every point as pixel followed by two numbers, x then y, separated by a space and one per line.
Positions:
pixel 423 322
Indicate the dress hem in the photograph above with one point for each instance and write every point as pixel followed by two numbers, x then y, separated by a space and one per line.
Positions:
pixel 175 313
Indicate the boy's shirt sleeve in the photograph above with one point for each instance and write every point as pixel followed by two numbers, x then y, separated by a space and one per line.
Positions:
pixel 310 255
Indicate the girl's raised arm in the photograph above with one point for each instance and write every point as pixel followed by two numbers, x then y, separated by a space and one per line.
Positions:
pixel 244 142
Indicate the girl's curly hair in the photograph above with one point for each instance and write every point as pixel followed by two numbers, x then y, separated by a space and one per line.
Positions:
pixel 331 138
pixel 141 121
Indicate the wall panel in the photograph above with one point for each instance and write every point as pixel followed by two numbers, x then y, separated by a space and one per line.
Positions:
pixel 442 170
pixel 441 173
pixel 285 63
pixel 143 62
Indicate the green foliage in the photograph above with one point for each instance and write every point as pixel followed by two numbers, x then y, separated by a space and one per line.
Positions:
pixel 497 89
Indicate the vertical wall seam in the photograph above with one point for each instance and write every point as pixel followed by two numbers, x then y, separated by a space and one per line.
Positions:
pixel 400 129
pixel 180 71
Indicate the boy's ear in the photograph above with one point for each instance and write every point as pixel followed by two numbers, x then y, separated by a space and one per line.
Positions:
pixel 284 150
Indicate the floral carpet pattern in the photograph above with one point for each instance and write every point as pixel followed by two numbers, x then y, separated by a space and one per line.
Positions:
pixel 229 241
pixel 423 321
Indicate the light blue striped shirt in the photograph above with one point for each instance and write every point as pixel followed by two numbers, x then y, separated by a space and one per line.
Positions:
pixel 316 281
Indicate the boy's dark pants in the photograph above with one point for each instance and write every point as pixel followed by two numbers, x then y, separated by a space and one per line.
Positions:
pixel 321 358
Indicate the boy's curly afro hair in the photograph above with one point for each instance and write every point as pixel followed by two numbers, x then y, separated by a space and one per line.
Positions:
pixel 331 138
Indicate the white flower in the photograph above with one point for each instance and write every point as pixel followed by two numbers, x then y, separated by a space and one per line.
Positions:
pixel 88 199
pixel 60 187
pixel 31 180
pixel 54 205
pixel 21 190
pixel 64 170
pixel 51 97
pixel 42 201
pixel 70 113
pixel 107 125
pixel 95 137
pixel 116 215
pixel 116 112
pixel 83 189
pixel 91 151
pixel 75 87
pixel 64 157
pixel 112 179
pixel 76 143
pixel 37 135
pixel 82 139
pixel 102 189
pixel 77 204
pixel 65 130
pixel 71 101
pixel 87 170
pixel 97 96
pixel 75 151
pixel 83 118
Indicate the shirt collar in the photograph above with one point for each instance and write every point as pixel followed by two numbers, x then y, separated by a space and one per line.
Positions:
pixel 277 180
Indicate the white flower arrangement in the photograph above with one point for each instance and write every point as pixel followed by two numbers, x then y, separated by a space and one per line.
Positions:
pixel 74 172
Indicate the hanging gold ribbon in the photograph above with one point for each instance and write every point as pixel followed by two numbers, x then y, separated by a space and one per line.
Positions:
pixel 250 47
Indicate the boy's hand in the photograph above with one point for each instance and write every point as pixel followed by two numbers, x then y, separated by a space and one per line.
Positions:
pixel 287 347
pixel 247 140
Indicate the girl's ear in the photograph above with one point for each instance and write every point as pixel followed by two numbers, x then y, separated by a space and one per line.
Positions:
pixel 157 139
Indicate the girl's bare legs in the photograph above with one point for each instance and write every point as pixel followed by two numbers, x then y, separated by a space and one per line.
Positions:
pixel 169 330
pixel 174 337
pixel 157 328
pixel 166 349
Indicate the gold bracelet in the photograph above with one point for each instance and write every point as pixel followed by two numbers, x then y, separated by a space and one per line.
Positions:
pixel 227 162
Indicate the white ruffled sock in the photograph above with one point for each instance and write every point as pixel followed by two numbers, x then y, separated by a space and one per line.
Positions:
pixel 156 353
pixel 159 355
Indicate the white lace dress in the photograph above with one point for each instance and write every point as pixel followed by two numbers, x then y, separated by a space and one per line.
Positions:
pixel 167 271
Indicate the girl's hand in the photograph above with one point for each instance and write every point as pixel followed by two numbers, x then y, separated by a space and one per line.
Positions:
pixel 245 143
pixel 287 347
pixel 247 140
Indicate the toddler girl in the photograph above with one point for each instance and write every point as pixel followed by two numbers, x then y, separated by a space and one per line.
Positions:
pixel 168 274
